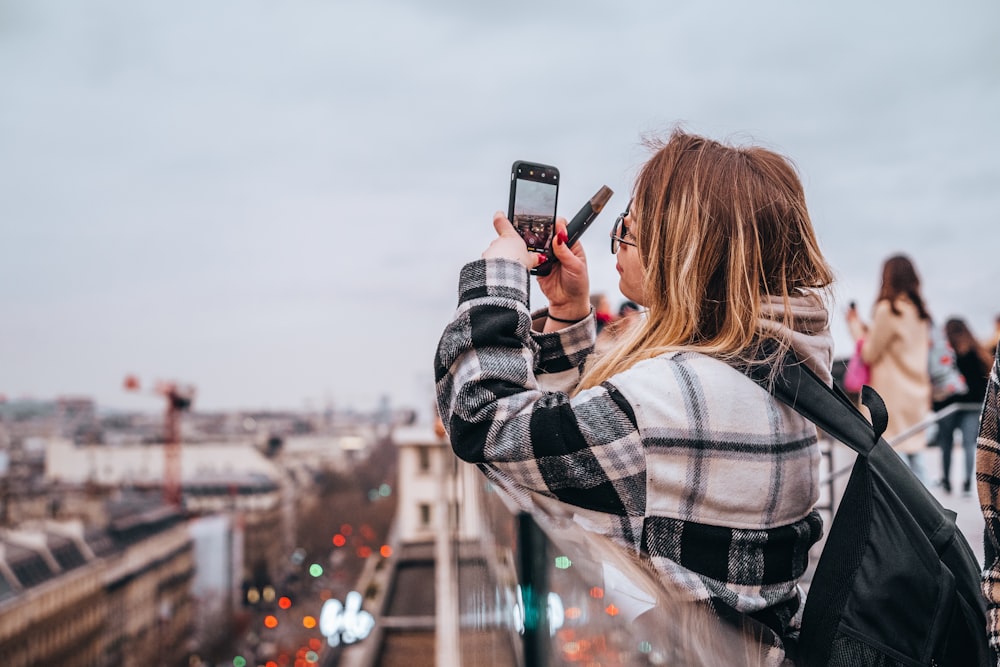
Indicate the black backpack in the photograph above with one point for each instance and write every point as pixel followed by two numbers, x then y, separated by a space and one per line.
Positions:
pixel 897 583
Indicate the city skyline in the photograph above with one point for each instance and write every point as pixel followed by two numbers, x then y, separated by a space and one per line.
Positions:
pixel 272 202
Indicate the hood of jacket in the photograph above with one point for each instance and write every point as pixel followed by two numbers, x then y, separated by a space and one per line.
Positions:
pixel 809 336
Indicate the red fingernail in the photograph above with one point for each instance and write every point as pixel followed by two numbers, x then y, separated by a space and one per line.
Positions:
pixel 563 237
pixel 542 258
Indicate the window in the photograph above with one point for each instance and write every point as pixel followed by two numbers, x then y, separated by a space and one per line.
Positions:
pixel 425 459
pixel 425 514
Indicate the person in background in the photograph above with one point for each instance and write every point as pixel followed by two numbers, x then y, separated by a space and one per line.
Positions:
pixel 661 445
pixel 896 347
pixel 602 311
pixel 974 364
pixel 628 314
pixel 988 486
pixel 605 321
pixel 629 311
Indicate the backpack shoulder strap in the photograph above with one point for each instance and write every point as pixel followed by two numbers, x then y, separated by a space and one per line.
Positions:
pixel 829 409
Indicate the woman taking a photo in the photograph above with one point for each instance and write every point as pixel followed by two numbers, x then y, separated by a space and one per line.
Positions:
pixel 661 444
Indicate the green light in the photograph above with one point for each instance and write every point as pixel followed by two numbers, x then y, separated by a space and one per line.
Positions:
pixel 315 569
pixel 312 656
pixel 563 562
pixel 239 661
pixel 645 647
pixel 373 494
pixel 384 490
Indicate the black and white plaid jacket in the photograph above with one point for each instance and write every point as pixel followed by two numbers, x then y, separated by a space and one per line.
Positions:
pixel 681 458
pixel 988 485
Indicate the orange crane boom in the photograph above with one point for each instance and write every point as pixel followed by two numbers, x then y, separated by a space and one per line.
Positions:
pixel 179 399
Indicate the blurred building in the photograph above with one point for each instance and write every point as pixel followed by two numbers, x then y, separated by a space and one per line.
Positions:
pixel 438 527
pixel 430 478
pixel 215 588
pixel 231 478
pixel 119 596
pixel 263 491
pixel 83 582
pixel 73 417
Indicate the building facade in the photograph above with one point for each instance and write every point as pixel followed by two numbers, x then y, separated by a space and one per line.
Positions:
pixel 114 597
pixel 432 477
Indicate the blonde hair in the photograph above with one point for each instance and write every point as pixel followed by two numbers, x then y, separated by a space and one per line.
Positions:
pixel 719 230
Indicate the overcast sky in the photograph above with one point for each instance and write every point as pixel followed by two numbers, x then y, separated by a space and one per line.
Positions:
pixel 272 200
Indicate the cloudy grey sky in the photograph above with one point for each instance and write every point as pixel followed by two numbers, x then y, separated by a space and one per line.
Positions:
pixel 272 200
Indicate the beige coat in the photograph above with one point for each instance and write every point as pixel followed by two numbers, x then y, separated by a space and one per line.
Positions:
pixel 896 349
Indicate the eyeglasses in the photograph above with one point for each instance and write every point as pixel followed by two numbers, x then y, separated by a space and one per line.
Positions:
pixel 620 231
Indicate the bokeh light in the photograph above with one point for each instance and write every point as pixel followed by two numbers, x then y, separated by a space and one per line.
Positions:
pixel 316 569
pixel 339 540
pixel 284 602
pixel 309 622
pixel 270 621
pixel 385 551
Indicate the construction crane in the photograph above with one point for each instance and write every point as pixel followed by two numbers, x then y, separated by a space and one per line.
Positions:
pixel 179 398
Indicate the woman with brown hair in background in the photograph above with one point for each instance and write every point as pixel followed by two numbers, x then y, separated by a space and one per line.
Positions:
pixel 974 364
pixel 896 347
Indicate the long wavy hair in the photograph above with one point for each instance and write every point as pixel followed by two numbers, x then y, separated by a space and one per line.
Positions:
pixel 962 341
pixel 719 231
pixel 900 280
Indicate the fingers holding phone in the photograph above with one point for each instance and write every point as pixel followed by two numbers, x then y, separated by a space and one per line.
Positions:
pixel 510 245
pixel 531 234
pixel 567 285
pixel 568 255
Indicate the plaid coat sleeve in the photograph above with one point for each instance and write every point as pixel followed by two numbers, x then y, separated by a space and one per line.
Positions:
pixel 584 450
pixel 988 485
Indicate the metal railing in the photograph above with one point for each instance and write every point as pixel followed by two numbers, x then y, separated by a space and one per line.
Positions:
pixel 827 451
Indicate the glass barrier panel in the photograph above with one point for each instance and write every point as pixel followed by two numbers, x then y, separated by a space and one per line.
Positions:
pixel 539 589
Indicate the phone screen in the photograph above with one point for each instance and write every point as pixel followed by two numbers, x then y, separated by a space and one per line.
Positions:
pixel 534 190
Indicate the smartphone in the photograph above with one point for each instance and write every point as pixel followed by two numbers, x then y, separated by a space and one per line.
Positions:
pixel 534 191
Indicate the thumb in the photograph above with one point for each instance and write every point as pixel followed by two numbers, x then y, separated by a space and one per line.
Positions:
pixel 503 225
pixel 559 247
pixel 570 258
